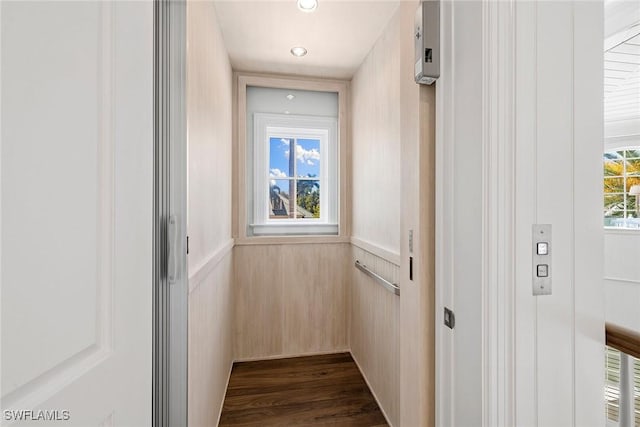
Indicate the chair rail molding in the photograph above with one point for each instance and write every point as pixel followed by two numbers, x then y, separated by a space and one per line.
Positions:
pixel 498 213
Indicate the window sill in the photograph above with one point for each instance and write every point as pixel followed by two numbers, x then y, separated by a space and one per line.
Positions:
pixel 290 240
pixel 295 229
pixel 621 230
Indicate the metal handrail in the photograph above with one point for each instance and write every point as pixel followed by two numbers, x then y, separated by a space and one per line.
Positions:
pixel 392 287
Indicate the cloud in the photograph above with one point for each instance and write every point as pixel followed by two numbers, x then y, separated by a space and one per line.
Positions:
pixel 307 156
pixel 303 155
pixel 277 173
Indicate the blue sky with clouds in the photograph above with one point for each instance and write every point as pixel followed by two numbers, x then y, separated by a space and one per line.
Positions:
pixel 307 157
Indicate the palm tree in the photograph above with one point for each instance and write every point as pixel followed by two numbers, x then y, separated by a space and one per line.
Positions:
pixel 621 172
pixel 308 196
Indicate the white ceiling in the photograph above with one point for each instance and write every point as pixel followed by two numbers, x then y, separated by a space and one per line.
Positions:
pixel 338 35
pixel 622 61
pixel 622 79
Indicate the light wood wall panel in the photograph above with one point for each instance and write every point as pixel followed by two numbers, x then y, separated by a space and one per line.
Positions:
pixel 210 343
pixel 420 351
pixel 375 331
pixel 258 298
pixel 375 113
pixel 209 136
pixel 417 301
pixel 291 299
pixel 210 262
pixel 393 153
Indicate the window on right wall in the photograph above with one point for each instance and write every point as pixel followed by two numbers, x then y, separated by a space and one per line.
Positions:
pixel 622 188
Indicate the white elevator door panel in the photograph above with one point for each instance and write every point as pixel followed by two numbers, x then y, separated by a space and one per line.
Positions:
pixel 76 222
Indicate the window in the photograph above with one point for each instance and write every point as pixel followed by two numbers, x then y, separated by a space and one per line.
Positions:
pixel 621 188
pixel 295 175
pixel 612 387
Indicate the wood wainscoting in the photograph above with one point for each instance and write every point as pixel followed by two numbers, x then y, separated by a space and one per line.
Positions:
pixel 290 300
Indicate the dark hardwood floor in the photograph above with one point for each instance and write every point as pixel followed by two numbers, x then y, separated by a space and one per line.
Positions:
pixel 325 390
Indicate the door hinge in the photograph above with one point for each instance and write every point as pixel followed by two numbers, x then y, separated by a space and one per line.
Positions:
pixel 187 245
pixel 449 318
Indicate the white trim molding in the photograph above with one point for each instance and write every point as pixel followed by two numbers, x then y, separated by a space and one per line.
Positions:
pixel 170 199
pixel 445 191
pixel 620 230
pixel 290 240
pixel 386 254
pixel 208 265
pixel 323 129
pixel 498 213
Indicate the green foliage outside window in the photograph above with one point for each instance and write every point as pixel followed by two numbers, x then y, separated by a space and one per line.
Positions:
pixel 621 172
pixel 309 196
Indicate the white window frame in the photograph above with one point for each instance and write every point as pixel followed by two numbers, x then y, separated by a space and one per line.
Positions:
pixel 324 129
pixel 625 222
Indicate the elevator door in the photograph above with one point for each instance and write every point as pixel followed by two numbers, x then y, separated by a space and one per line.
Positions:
pixel 77 212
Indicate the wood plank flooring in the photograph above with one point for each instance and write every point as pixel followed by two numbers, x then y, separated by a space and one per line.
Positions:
pixel 325 390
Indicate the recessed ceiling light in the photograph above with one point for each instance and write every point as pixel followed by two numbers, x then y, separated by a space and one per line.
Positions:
pixel 298 51
pixel 286 112
pixel 290 97
pixel 307 5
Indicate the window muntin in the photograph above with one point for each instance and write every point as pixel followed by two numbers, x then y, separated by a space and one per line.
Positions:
pixel 295 193
pixel 621 172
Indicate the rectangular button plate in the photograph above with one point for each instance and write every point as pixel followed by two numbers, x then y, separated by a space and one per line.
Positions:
pixel 541 263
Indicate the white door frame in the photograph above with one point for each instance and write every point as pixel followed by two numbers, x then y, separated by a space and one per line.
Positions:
pixel 170 216
pixel 77 214
pixel 516 327
pixel 498 231
pixel 495 208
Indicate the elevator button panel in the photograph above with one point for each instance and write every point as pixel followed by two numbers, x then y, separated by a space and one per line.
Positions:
pixel 541 262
